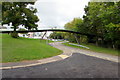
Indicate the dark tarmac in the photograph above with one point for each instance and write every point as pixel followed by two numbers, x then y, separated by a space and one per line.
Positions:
pixel 76 66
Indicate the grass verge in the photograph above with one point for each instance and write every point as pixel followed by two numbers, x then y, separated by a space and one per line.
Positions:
pixel 20 49
pixel 96 49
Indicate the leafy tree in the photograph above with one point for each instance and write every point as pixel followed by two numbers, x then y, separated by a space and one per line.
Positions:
pixel 57 35
pixel 73 25
pixel 102 18
pixel 112 34
pixel 18 13
pixel 76 25
pixel 0 12
pixel 22 29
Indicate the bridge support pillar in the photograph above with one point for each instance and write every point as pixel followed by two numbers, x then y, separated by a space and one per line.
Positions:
pixel 44 34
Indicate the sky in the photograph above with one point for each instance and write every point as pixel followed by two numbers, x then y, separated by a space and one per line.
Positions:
pixel 56 13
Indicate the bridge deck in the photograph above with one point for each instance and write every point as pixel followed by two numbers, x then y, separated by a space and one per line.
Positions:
pixel 60 30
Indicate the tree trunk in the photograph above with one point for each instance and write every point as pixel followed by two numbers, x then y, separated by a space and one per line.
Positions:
pixel 96 41
pixel 76 39
pixel 14 34
pixel 113 45
pixel 14 28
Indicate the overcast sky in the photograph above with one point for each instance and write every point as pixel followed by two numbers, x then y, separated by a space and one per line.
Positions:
pixel 56 13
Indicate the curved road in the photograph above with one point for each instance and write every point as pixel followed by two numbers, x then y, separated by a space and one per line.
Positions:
pixel 76 66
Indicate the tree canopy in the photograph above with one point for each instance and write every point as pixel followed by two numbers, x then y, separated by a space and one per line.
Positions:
pixel 102 19
pixel 19 13
pixel 0 11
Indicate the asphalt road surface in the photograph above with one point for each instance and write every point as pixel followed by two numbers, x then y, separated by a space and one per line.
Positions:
pixel 76 66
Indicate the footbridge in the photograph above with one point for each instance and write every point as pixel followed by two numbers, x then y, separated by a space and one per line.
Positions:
pixel 58 30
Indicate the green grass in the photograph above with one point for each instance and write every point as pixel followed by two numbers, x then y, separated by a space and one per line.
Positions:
pixel 0 47
pixel 96 49
pixel 21 49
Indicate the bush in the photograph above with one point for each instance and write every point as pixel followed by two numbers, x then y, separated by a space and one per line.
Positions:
pixel 14 35
pixel 83 39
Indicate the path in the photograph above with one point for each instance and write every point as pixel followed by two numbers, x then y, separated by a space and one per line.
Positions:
pixel 69 50
pixel 78 65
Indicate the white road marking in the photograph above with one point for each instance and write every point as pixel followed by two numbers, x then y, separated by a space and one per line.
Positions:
pixel 63 56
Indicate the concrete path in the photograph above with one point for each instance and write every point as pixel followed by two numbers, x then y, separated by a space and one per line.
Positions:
pixel 70 50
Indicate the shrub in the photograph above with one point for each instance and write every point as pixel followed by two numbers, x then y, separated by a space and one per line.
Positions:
pixel 14 35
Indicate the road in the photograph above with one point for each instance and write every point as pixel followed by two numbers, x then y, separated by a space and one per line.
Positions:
pixel 76 66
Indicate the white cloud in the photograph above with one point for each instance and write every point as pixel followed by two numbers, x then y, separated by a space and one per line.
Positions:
pixel 58 12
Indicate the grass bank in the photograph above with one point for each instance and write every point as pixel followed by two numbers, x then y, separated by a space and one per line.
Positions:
pixel 96 49
pixel 21 49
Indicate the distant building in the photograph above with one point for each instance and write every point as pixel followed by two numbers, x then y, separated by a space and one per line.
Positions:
pixel 2 27
pixel 36 35
pixel 30 34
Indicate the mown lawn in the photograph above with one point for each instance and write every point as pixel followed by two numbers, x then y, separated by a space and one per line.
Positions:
pixel 21 49
pixel 96 49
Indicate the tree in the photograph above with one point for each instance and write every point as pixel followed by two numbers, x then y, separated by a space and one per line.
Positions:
pixel 112 34
pixel 102 18
pixel 18 13
pixel 73 25
pixel 0 12
pixel 57 35
pixel 76 25
pixel 30 19
pixel 22 29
